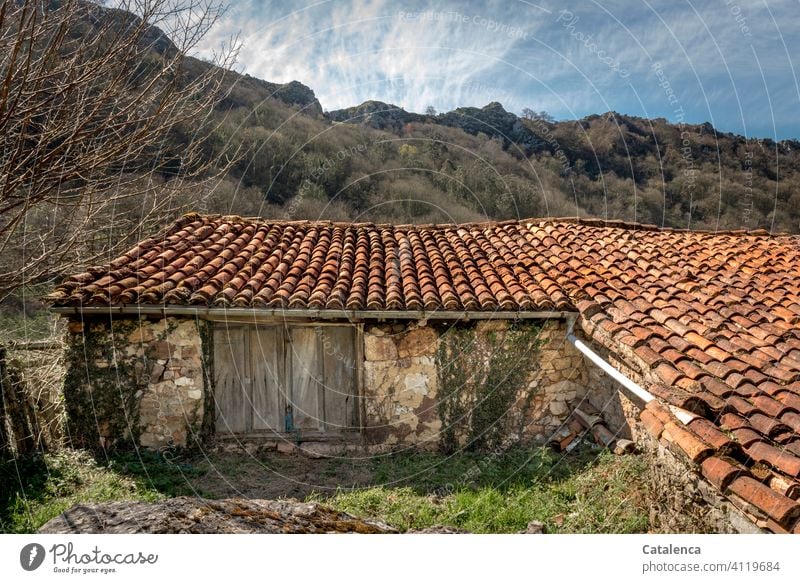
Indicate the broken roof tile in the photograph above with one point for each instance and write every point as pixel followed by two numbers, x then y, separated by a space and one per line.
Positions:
pixel 784 461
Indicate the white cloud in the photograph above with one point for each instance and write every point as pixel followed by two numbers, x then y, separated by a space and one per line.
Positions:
pixel 522 54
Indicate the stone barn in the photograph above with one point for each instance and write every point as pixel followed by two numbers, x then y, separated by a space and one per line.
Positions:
pixel 328 337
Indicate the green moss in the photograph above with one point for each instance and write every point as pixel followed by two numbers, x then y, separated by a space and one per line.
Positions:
pixel 104 385
pixel 206 331
pixel 479 381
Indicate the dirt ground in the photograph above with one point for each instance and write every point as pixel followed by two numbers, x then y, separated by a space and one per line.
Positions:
pixel 275 476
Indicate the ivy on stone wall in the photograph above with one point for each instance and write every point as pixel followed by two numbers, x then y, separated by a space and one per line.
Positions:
pixel 138 382
pixel 480 378
pixel 104 383
pixel 456 382
pixel 206 330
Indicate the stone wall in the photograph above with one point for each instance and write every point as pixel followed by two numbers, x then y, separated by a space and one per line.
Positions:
pixel 681 500
pixel 558 382
pixel 606 396
pixel 400 385
pixel 135 380
pixel 405 404
pixel 145 381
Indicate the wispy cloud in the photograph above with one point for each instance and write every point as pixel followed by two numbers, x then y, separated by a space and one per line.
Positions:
pixel 723 59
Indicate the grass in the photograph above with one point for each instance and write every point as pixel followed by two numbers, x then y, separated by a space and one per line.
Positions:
pixel 37 489
pixel 587 492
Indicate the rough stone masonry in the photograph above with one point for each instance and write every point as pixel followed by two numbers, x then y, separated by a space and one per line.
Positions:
pixel 148 381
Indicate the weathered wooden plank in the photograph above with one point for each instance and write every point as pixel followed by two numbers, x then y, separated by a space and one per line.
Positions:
pixel 227 314
pixel 339 375
pixel 267 374
pixel 303 356
pixel 360 398
pixel 231 380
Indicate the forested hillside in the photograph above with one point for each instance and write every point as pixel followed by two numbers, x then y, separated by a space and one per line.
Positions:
pixel 378 162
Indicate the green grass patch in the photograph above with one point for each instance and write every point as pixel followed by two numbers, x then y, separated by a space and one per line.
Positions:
pixel 588 492
pixel 37 489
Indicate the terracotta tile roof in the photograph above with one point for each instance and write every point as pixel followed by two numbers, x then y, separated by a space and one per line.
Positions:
pixel 230 261
pixel 709 321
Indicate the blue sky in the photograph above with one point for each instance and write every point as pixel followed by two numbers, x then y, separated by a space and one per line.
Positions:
pixel 729 62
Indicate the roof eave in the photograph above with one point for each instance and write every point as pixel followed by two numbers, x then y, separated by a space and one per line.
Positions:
pixel 313 314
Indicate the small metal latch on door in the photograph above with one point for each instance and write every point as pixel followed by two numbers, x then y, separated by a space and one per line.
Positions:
pixel 288 420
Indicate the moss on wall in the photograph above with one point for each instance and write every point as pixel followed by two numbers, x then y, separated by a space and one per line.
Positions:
pixel 481 375
pixel 103 384
pixel 206 330
pixel 132 381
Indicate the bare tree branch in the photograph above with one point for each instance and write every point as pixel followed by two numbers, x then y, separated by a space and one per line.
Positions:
pixel 92 100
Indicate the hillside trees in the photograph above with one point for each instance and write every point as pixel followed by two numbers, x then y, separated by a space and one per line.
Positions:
pixel 100 126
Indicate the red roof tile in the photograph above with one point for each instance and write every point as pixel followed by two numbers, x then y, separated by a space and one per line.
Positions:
pixel 709 433
pixel 235 262
pixel 781 509
pixel 721 472
pixel 691 445
pixel 784 461
pixel 652 423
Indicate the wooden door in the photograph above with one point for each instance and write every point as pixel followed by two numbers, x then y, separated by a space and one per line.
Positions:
pixel 231 392
pixel 339 377
pixel 304 368
pixel 265 374
pixel 268 387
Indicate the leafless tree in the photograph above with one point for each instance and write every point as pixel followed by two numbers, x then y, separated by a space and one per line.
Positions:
pixel 529 113
pixel 103 124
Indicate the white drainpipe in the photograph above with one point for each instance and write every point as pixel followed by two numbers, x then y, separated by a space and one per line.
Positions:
pixel 632 387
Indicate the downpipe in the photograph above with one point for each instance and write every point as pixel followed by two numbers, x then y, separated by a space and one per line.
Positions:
pixel 632 387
